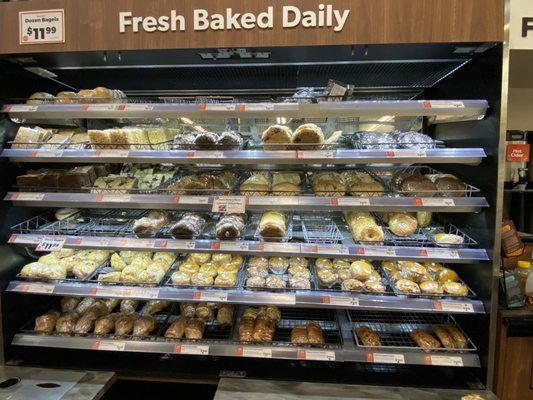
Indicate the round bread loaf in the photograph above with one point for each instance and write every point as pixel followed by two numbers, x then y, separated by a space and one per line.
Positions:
pixel 418 185
pixel 307 136
pixel 276 137
pixel 450 187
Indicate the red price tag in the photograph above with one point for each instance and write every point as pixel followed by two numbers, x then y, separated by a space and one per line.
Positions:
pixel 334 201
pixel 175 199
pixel 417 201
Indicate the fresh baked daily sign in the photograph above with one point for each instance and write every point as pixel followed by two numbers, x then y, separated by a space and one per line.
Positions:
pixel 324 16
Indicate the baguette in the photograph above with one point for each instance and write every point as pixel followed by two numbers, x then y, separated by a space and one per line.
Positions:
pixel 460 340
pixel 424 339
pixel 444 336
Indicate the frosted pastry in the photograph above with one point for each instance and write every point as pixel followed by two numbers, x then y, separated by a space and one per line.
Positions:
pixel 273 224
pixel 230 226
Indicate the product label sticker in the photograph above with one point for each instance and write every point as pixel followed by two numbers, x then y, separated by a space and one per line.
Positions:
pixel 27 196
pixel 51 243
pixel 113 198
pixel 42 26
pixel 211 296
pixel 315 154
pixel 317 355
pixel 443 104
pixel 229 204
pixel 384 358
pixel 197 350
pixel 108 345
pixel 190 199
pixel 444 361
pixel 209 154
pixel 375 252
pixel 352 201
pixel 449 306
pixel 439 253
pixel 433 202
pixel 112 153
pixel 142 293
pixel 233 246
pixel 20 108
pixel 99 107
pixel 94 242
pixel 337 250
pixel 47 153
pixel 281 298
pixel 177 244
pixel 257 107
pixel 341 301
pixel 110 291
pixel 256 352
pixel 216 107
pixel 406 153
pixel 46 288
pixel 135 107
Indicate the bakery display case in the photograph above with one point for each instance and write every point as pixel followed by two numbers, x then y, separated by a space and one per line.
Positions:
pixel 229 231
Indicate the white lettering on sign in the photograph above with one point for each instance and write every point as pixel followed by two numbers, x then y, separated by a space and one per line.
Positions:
pixel 325 16
pixel 42 26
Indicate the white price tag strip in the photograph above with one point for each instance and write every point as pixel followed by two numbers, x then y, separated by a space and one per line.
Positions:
pixel 99 107
pixel 329 250
pixel 444 361
pixel 110 291
pixel 439 253
pixel 177 244
pixel 385 358
pixel 271 200
pixel 257 352
pixel 434 202
pixel 315 154
pixel 109 345
pixel 209 154
pixel 352 201
pixel 257 107
pixel 21 108
pixel 42 26
pixel 35 288
pixel 217 107
pixel 443 104
pixel 341 301
pixel 229 204
pixel 27 196
pixel 198 350
pixel 25 239
pixel 112 153
pixel 190 199
pixel 47 153
pixel 454 306
pixel 375 252
pixel 136 107
pixel 114 198
pixel 281 298
pixel 142 293
pixel 51 244
pixel 406 153
pixel 211 296
pixel 231 246
pixel 317 355
pixel 91 241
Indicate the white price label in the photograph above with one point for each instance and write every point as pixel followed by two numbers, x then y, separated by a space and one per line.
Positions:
pixel 317 355
pixel 190 199
pixel 25 239
pixel 435 202
pixel 20 108
pixel 258 107
pixel 144 243
pixel 94 242
pixel 279 247
pixel 341 301
pixel 230 246
pixel 197 350
pixel 27 196
pixel 352 201
pixel 112 153
pixel 47 153
pixel 406 153
pixel 114 198
pixel 257 352
pixel 178 244
pixel 211 296
pixel 136 107
pixel 109 345
pixel 110 291
pixel 315 154
pixel 272 200
pixel 99 107
pixel 42 26
pixel 443 104
pixel 281 298
pixel 50 244
pixel 337 250
pixel 439 253
pixel 35 288
pixel 217 107
pixel 445 361
pixel 142 293
pixel 229 204
pixel 209 154
pixel 375 252
pixel 385 358
pixel 454 306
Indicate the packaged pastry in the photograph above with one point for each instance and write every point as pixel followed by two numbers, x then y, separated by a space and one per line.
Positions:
pixel 273 224
pixel 341 264
pixel 352 285
pixel 424 218
pixel 407 286
pixel 85 324
pixel 98 309
pixel 374 286
pixel 307 137
pixel 448 239
pixel 431 287
pixel 314 334
pixel 299 335
pixel 230 226
pixel 344 274
pixel 221 258
pixel 144 325
pixel 258 184
pixel 424 339
pixel 201 279
pixel 190 225
pixel 276 137
pixel 301 272
pixel 264 329
pixel 69 303
pixel 154 306
pixel 323 263
pixel 275 282
pixel 461 342
pixel 286 183
pixel 200 258
pixel 298 262
pixel 367 336
pixel 250 312
pixel 194 329
pixel 206 140
pixel 327 278
pixel 176 330
pixel 299 282
pixel 225 314
pixel 455 288
pixel 106 324
pixel 40 98
pixel 230 140
pixel 364 227
pixel 150 225
pixel 47 322
pixel 206 311
pixel 111 304
pixel 414 185
pixel 128 306
pixel 271 312
pixel 256 281
pixel 188 310
pixel 124 324
pixel 84 305
pixel 246 329
pixel 113 185
pixel 255 261
pixel 66 322
pixel 226 279
pixel 181 278
pixel 278 265
pixel 402 224
pixel 447 275
pixel 30 138
pixel 361 270
pixel 328 184
pixel 444 336
pixel 362 184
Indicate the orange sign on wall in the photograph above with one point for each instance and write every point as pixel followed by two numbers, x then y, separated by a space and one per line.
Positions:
pixel 518 152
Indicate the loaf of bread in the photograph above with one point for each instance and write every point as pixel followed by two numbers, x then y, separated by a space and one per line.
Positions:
pixel 258 184
pixel 307 137
pixel 367 336
pixel 273 224
pixel 328 184
pixel 424 339
pixel 276 137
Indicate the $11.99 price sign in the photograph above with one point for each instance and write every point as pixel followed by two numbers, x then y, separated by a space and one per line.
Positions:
pixel 42 26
